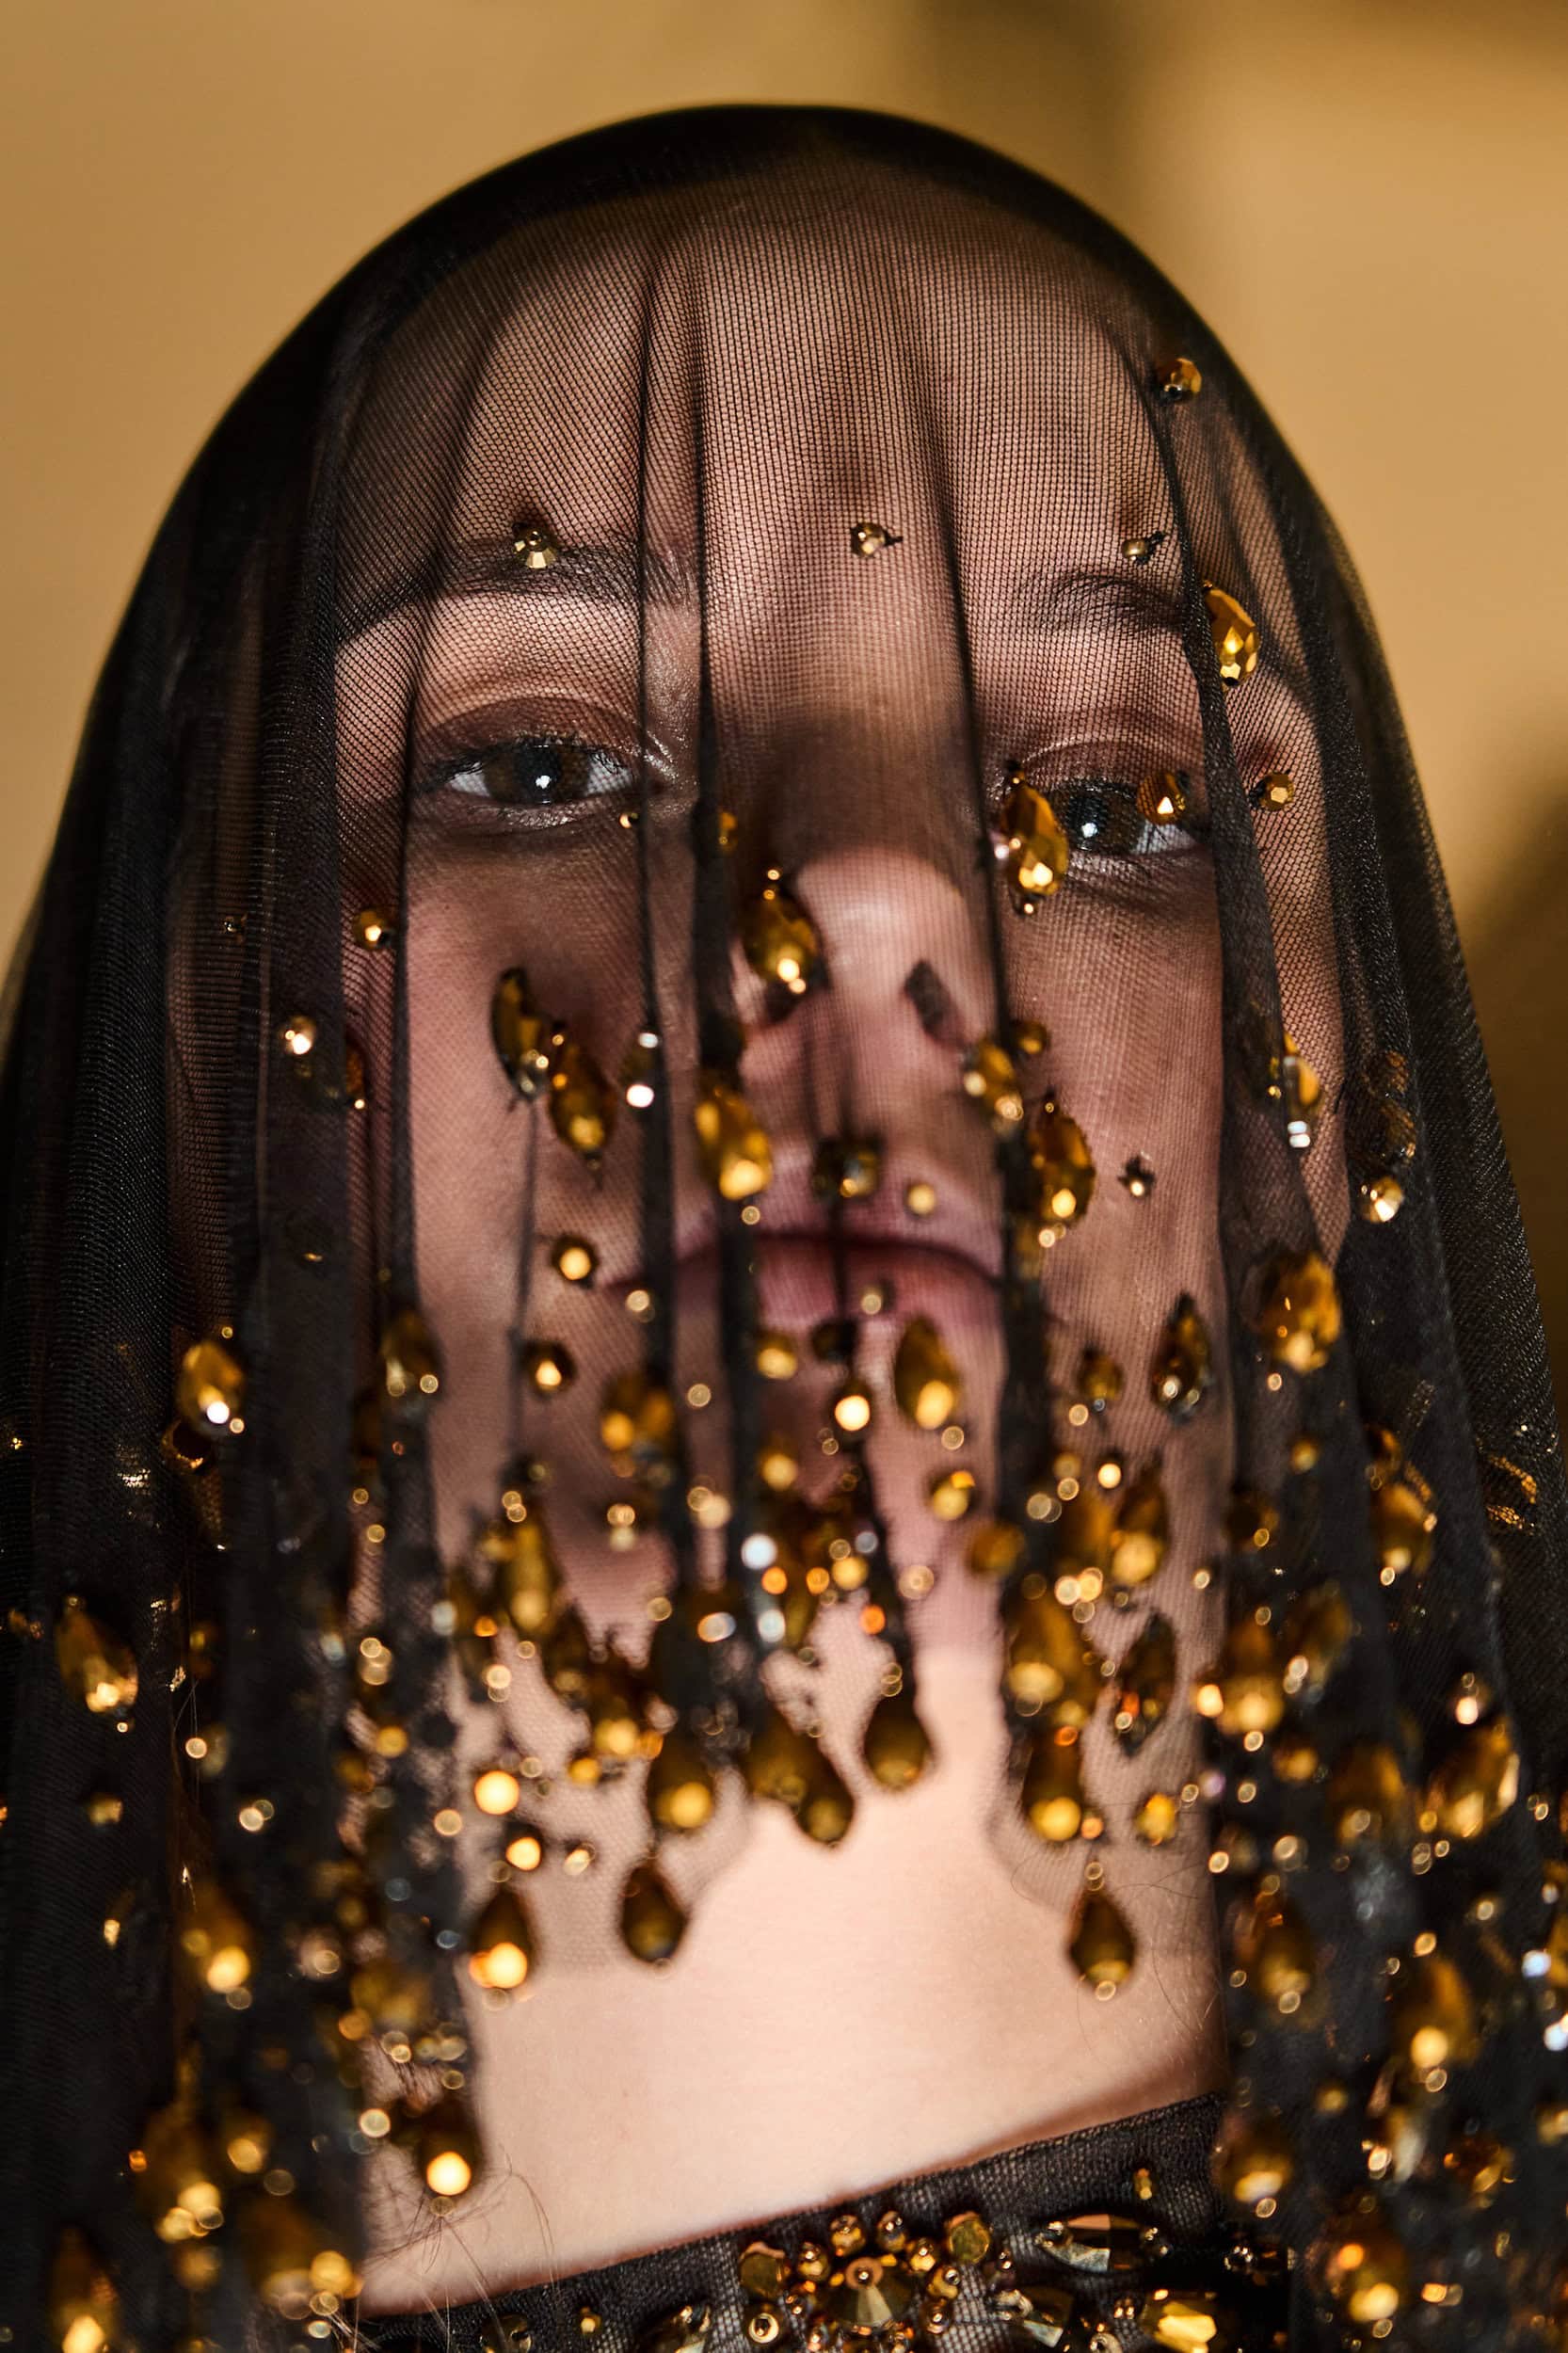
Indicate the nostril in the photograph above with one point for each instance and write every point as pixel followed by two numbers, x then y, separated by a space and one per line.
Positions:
pixel 924 987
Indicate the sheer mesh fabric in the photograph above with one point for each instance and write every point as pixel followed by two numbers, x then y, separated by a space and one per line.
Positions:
pixel 744 970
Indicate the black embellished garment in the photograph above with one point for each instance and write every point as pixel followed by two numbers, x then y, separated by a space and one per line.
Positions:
pixel 745 990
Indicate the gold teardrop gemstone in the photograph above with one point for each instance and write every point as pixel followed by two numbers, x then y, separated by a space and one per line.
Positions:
pixel 1142 1531
pixel 176 2182
pixel 521 1035
pixel 449 2155
pixel 870 539
pixel 1273 1944
pixel 1146 1683
pixel 780 939
pixel 637 1416
pixel 1189 2320
pixel 681 1790
pixel 84 2307
pixel 217 1944
pixel 1099 1380
pixel 1157 1819
pixel 1303 1093
pixel 1379 1198
pixel 1181 1372
pixel 1404 1524
pixel 290 2258
pixel 732 1145
pixel 575 1259
pixel 1368 1795
pixel 1235 634
pixel 1432 2016
pixel 1051 1794
pixel 1061 1158
pixel 992 1082
pixel 1476 1783
pixel 847 1168
pixel 1298 1315
pixel 411 1367
pixel 1179 380
pixel 1161 798
pixel 96 1667
pixel 548 1366
pixel 827 1809
pixel 952 1494
pixel 582 1101
pixel 501 1944
pixel 776 1357
pixel 995 1549
pixel 1084 1535
pixel 925 1379
pixel 1359 2261
pixel 1051 1665
pixel 896 1745
pixel 394 1995
pixel 528 1584
pixel 1253 2158
pixel 1244 1690
pixel 1101 1945
pixel 651 1922
pixel 778 1761
pixel 1316 1636
pixel 1038 851
pixel 209 1393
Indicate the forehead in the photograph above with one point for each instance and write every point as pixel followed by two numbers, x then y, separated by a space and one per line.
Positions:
pixel 739 366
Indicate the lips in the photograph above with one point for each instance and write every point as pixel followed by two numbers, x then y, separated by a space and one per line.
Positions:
pixel 797 1280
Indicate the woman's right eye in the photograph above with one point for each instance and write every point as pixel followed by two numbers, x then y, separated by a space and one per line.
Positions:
pixel 537 772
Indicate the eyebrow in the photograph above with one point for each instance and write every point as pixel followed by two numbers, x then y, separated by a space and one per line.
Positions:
pixel 616 573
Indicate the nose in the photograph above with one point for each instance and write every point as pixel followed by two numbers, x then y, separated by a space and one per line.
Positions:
pixel 907 985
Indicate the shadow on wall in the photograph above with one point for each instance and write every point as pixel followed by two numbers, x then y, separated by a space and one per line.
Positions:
pixel 1519 979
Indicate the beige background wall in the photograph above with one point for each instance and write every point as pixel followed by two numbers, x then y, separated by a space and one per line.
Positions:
pixel 1369 198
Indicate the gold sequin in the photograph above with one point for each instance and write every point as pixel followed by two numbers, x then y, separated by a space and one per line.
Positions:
pixel 1179 380
pixel 534 547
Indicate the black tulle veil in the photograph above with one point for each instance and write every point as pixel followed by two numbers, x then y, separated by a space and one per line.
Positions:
pixel 222 1368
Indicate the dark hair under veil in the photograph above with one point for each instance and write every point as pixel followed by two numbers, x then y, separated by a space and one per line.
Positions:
pixel 782 399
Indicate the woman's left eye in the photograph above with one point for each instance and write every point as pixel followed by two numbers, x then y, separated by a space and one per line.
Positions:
pixel 1103 817
pixel 537 772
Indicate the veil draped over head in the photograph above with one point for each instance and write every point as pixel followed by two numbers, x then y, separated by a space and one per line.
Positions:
pixel 745 958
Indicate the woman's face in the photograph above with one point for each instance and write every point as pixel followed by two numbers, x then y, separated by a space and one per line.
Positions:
pixel 965 406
